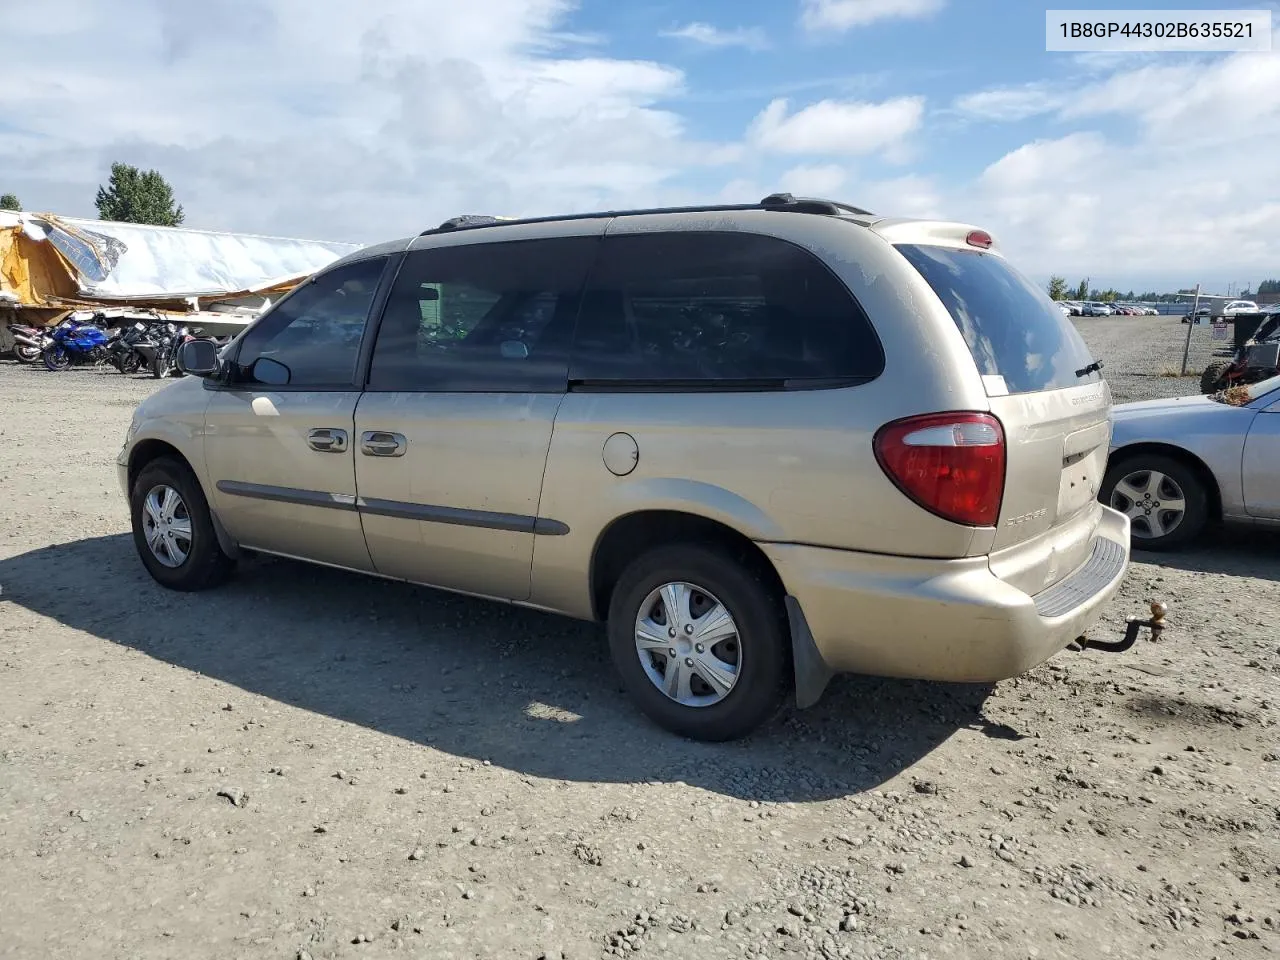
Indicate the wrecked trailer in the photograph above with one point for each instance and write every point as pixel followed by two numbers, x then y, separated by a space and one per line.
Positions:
pixel 51 266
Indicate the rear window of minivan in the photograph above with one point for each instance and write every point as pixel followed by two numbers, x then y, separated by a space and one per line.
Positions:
pixel 1013 330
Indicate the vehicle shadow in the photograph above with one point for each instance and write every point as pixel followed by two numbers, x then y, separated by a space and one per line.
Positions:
pixel 524 690
pixel 1234 551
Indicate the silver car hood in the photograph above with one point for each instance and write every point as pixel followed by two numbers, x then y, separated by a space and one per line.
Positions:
pixel 1189 406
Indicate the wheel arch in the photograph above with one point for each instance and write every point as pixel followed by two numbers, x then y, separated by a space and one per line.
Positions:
pixel 634 533
pixel 1213 489
pixel 151 449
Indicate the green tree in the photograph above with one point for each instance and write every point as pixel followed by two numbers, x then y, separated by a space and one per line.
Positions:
pixel 1057 288
pixel 1082 291
pixel 1269 286
pixel 138 196
pixel 9 201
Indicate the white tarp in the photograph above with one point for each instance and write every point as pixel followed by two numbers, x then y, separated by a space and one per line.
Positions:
pixel 128 261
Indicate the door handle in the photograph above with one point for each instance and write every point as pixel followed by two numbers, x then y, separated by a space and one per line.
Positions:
pixel 327 440
pixel 379 443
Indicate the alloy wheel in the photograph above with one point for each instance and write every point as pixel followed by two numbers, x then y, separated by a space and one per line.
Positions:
pixel 1155 503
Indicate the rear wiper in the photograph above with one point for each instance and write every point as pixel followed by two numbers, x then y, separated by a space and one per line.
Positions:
pixel 1094 367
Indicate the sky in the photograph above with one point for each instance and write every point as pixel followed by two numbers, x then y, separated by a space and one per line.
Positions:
pixel 333 120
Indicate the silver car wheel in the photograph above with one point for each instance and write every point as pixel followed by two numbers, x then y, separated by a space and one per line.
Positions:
pixel 1154 502
pixel 166 525
pixel 688 644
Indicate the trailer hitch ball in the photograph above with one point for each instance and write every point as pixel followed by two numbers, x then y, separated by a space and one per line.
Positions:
pixel 1133 626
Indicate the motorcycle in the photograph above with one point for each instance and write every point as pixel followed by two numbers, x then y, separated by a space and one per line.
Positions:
pixel 162 351
pixel 74 342
pixel 124 351
pixel 28 341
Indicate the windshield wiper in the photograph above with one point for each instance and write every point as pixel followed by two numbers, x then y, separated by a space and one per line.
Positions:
pixel 1094 367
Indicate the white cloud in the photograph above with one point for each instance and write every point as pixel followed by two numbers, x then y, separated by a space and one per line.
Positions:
pixel 1010 103
pixel 1162 171
pixel 835 127
pixel 842 15
pixel 1236 97
pixel 752 38
pixel 1130 211
pixel 909 196
pixel 324 119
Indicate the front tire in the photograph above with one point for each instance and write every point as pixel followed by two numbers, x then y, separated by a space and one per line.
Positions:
pixel 56 357
pixel 1165 499
pixel 173 528
pixel 159 368
pixel 700 640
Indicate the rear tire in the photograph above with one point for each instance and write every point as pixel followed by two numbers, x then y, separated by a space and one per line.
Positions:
pixel 26 354
pixel 203 564
pixel 1142 472
pixel 759 650
pixel 1211 380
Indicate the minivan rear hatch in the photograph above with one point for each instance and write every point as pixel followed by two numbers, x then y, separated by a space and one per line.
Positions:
pixel 1048 393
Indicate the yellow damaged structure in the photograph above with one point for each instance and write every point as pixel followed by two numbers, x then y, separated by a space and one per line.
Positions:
pixel 52 265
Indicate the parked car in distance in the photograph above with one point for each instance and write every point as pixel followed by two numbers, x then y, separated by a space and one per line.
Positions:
pixel 1073 307
pixel 763 443
pixel 1066 311
pixel 1178 465
pixel 1239 306
pixel 1094 308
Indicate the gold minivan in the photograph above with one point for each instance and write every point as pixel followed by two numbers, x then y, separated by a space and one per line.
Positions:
pixel 764 443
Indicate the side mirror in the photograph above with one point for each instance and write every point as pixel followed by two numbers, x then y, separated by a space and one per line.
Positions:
pixel 198 358
pixel 273 373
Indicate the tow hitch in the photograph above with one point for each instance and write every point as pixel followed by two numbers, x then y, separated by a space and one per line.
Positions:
pixel 1133 626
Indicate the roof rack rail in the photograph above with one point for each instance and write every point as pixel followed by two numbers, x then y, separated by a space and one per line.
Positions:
pixel 775 202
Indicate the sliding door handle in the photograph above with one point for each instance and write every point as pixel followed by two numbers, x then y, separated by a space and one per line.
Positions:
pixel 379 443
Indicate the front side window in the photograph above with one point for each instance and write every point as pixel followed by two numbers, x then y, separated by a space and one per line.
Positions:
pixel 719 310
pixel 492 317
pixel 312 337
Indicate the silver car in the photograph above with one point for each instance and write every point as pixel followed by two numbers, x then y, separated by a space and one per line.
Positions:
pixel 1177 465
pixel 764 443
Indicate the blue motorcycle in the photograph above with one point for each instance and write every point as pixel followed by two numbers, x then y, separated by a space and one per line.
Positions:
pixel 75 342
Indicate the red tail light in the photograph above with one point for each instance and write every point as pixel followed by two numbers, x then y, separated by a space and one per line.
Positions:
pixel 952 464
pixel 979 238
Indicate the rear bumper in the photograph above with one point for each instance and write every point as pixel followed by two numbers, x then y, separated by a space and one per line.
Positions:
pixel 950 620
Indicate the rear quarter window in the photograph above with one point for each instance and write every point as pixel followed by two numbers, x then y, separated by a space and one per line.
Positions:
pixel 1014 331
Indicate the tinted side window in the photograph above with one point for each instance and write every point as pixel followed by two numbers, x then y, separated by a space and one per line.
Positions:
pixel 720 308
pixel 1013 329
pixel 482 317
pixel 315 332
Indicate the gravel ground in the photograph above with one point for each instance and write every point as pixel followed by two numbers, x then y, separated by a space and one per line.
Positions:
pixel 310 764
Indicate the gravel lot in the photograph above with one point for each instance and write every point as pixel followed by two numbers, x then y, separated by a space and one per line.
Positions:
pixel 309 764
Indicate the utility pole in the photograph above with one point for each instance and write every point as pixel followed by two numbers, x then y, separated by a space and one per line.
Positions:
pixel 1186 348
